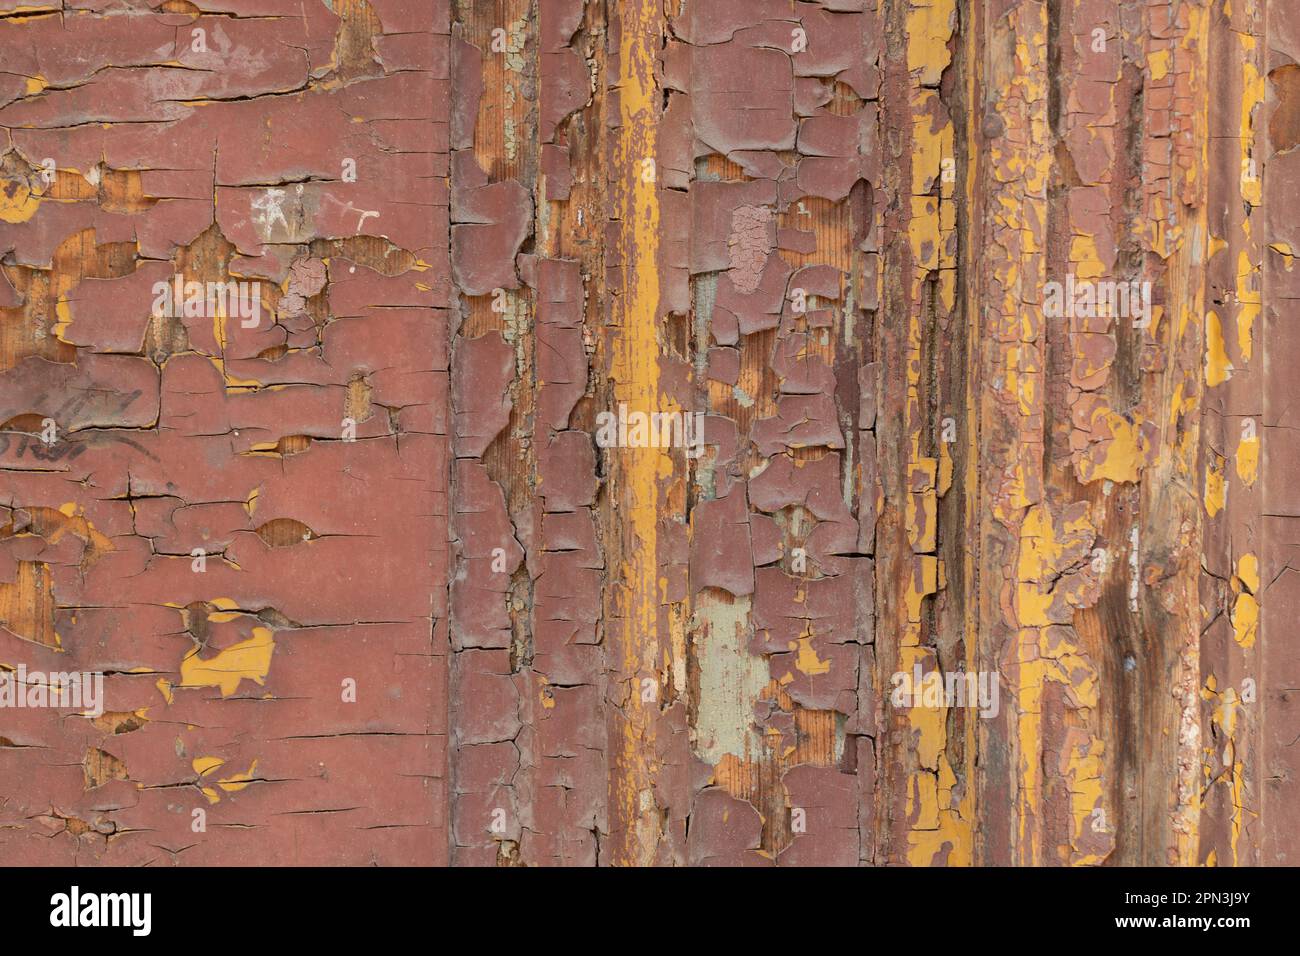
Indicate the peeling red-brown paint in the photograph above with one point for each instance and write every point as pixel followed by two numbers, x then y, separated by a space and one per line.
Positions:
pixel 223 160
pixel 817 237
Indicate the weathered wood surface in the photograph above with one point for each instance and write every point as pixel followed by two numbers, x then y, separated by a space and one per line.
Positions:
pixel 968 332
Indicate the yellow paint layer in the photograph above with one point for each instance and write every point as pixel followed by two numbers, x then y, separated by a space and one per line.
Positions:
pixel 248 660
